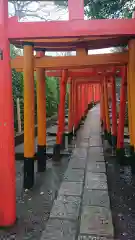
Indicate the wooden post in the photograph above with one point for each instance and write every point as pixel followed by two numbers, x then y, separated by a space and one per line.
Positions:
pixel 101 106
pixel 7 154
pixel 86 108
pixel 89 96
pixel 86 98
pixel 131 99
pixel 108 130
pixel 114 114
pixel 41 117
pixel 103 110
pixel 70 108
pixel 131 147
pixel 81 51
pixel 90 102
pixel 83 101
pixel 76 106
pixel 99 93
pixel 80 100
pixel 73 107
pixel 93 94
pixel 18 116
pixel 93 89
pixel 61 117
pixel 76 9
pixel 70 111
pixel 29 109
pixel 131 89
pixel 120 139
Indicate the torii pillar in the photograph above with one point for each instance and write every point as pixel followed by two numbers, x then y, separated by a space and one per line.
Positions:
pixel 7 154
pixel 76 9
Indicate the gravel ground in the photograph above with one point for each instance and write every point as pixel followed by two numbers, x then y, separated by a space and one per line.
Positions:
pixel 121 184
pixel 33 207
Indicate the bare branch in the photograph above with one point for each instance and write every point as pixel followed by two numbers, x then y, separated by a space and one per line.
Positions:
pixel 24 10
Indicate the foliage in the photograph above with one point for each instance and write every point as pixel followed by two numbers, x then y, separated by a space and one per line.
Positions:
pixel 17 83
pixel 52 93
pixel 102 9
pixel 17 86
pixel 118 85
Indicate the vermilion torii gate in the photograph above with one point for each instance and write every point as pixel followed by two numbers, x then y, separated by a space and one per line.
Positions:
pixel 76 33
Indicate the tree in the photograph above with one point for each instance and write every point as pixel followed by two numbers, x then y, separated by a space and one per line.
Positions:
pixel 102 9
pixel 27 10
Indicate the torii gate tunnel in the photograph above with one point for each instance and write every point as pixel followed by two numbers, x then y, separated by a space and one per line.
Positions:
pixel 91 79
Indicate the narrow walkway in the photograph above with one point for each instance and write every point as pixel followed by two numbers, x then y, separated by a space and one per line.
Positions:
pixel 82 207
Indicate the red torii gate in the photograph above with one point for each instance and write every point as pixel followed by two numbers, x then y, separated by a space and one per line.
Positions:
pixel 83 74
pixel 102 33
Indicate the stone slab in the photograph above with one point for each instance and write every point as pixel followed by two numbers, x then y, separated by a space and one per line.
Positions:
pixel 97 149
pixel 96 198
pixel 71 188
pixel 74 175
pixel 85 134
pixel 96 153
pixel 66 207
pixel 84 144
pixel 95 157
pixel 98 167
pixel 93 237
pixel 96 221
pixel 80 152
pixel 57 229
pixel 95 144
pixel 95 135
pixel 95 181
pixel 94 131
pixel 76 163
pixel 95 141
pixel 86 138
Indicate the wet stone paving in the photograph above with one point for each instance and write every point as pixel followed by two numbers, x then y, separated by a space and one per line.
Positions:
pixel 82 207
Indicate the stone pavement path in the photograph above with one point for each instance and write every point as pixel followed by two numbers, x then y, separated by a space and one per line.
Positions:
pixel 82 208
